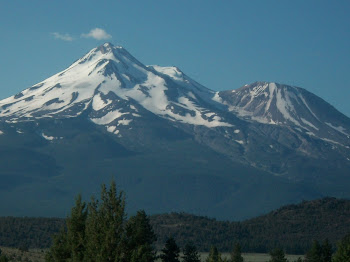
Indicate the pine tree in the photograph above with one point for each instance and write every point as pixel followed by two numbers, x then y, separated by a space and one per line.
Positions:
pixel 93 234
pixel 315 252
pixel 326 251
pixel 190 253
pixel 59 250
pixel 277 255
pixel 214 255
pixel 143 253
pixel 171 252
pixel 236 255
pixel 105 226
pixel 343 250
pixel 139 239
pixel 76 230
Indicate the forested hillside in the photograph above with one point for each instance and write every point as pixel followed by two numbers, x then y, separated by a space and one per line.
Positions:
pixel 292 227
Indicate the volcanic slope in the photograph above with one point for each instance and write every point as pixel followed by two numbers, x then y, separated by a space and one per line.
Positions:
pixel 170 143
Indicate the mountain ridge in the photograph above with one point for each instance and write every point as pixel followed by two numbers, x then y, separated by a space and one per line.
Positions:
pixel 154 127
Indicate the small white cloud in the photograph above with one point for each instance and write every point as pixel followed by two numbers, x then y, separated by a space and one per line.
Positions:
pixel 98 34
pixel 64 37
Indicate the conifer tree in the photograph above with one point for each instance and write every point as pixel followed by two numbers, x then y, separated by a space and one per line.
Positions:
pixel 139 239
pixel 343 250
pixel 236 255
pixel 314 254
pixel 76 230
pixel 326 251
pixel 105 225
pixel 190 253
pixel 93 234
pixel 278 255
pixel 171 251
pixel 59 250
pixel 214 255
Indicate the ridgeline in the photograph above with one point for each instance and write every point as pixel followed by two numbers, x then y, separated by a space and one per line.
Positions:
pixel 292 227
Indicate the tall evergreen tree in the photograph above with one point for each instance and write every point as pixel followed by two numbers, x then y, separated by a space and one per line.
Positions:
pixel 76 230
pixel 105 225
pixel 326 251
pixel 236 255
pixel 278 255
pixel 59 250
pixel 214 255
pixel 139 239
pixel 314 254
pixel 95 234
pixel 343 250
pixel 171 251
pixel 190 253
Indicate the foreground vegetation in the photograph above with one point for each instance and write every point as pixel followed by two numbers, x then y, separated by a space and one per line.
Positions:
pixel 293 227
pixel 99 231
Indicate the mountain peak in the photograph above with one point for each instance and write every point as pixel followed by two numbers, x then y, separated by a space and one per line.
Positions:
pixel 106 47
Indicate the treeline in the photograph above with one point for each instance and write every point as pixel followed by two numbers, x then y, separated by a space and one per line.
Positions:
pixel 28 232
pixel 293 227
pixel 98 231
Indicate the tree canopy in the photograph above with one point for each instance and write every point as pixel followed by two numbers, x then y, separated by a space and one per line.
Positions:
pixel 99 232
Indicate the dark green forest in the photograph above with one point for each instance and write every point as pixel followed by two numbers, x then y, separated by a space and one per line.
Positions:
pixel 293 227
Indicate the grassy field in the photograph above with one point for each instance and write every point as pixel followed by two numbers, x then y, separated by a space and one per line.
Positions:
pixel 33 255
pixel 38 255
pixel 253 257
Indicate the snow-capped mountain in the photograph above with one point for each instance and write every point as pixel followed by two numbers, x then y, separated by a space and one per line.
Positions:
pixel 102 78
pixel 159 131
pixel 283 105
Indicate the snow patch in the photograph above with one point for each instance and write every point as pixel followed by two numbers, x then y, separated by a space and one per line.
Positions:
pixel 239 142
pixel 308 123
pixel 124 122
pixel 133 108
pixel 108 118
pixel 49 138
pixel 171 71
pixel 307 106
pixel 113 129
pixel 217 98
pixel 98 103
pixel 285 106
pixel 332 141
pixel 209 114
pixel 237 131
pixel 338 128
pixel 1 133
pixel 272 88
pixel 190 94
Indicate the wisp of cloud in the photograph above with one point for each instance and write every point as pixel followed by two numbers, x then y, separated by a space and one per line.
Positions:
pixel 98 34
pixel 64 37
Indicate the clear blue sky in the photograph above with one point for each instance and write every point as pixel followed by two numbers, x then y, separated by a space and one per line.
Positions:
pixel 221 44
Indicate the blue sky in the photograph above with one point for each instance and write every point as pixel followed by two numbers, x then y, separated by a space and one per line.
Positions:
pixel 221 44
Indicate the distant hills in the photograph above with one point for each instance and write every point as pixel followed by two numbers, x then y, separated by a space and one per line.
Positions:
pixel 292 227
